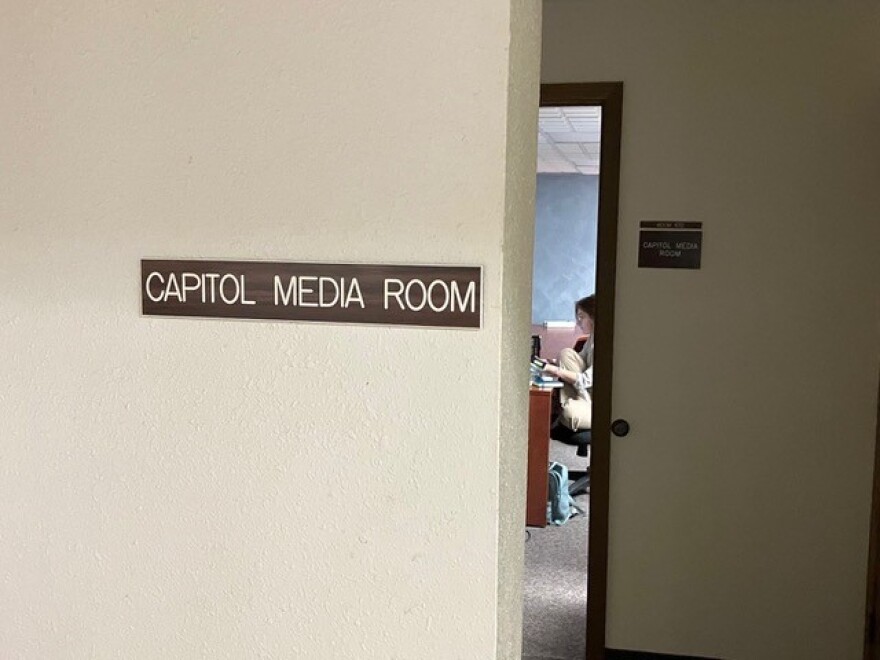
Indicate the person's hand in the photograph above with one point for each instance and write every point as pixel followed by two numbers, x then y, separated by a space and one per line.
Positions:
pixel 551 370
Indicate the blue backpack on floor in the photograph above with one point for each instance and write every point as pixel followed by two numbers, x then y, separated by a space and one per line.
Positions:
pixel 560 505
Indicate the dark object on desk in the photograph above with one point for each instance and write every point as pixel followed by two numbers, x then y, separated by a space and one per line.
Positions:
pixel 536 347
pixel 582 440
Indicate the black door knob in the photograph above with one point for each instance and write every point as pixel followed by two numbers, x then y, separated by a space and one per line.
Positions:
pixel 620 427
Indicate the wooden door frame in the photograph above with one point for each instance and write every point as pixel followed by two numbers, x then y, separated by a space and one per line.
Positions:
pixel 609 96
pixel 872 606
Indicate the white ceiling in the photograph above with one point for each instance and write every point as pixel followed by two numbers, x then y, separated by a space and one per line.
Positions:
pixel 568 139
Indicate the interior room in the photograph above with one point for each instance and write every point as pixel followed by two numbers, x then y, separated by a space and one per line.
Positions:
pixel 566 224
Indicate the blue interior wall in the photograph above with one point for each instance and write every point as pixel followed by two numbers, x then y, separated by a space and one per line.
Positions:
pixel 566 221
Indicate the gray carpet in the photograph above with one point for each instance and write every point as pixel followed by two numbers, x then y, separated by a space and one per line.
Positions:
pixel 555 585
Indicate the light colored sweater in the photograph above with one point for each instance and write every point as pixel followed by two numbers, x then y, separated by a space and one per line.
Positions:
pixel 584 382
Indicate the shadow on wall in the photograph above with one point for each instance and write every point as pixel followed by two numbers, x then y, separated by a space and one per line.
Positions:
pixel 566 221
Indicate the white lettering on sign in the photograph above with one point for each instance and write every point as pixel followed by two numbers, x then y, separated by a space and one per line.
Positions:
pixel 305 290
pixel 212 277
pixel 191 282
pixel 324 283
pixel 354 293
pixel 285 295
pixel 232 288
pixel 444 289
pixel 471 295
pixel 430 296
pixel 172 288
pixel 414 295
pixel 388 292
pixel 147 287
pixel 299 292
pixel 416 284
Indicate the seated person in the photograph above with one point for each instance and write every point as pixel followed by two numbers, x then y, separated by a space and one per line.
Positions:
pixel 576 371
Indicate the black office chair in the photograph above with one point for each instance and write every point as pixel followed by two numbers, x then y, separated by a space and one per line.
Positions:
pixel 581 439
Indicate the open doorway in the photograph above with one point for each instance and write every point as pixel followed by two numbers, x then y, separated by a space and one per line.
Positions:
pixel 575 257
pixel 564 271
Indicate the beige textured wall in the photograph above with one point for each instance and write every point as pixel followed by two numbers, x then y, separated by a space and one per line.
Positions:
pixel 740 501
pixel 516 305
pixel 198 488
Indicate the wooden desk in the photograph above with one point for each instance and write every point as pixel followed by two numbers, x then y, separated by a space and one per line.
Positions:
pixel 540 406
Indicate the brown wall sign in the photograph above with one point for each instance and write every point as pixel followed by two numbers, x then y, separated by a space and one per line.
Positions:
pixel 670 244
pixel 435 296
